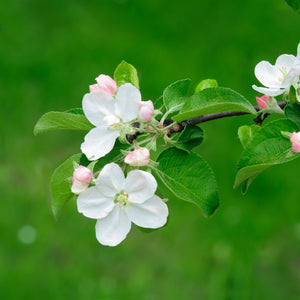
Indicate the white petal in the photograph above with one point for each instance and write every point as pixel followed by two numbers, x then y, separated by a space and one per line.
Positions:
pixel 298 53
pixel 292 77
pixel 267 74
pixel 113 229
pixel 111 180
pixel 151 214
pixel 97 105
pixel 140 186
pixel 127 102
pixel 269 91
pixel 98 142
pixel 285 60
pixel 93 204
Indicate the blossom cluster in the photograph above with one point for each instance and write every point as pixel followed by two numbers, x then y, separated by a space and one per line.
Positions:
pixel 279 79
pixel 110 198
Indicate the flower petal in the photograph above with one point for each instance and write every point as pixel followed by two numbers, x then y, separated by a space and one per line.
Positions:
pixel 93 204
pixel 269 91
pixel 111 180
pixel 98 142
pixel 97 105
pixel 127 102
pixel 298 53
pixel 151 214
pixel 267 74
pixel 140 186
pixel 113 229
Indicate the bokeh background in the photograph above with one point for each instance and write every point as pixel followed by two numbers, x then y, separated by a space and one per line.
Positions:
pixel 50 51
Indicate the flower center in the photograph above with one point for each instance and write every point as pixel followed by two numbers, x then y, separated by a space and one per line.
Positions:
pixel 283 71
pixel 122 199
pixel 112 121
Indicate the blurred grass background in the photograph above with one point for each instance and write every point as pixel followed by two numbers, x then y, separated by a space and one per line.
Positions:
pixel 50 51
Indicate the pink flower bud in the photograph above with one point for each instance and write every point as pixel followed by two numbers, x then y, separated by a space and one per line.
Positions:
pixel 106 84
pixel 263 101
pixel 138 158
pixel 82 177
pixel 94 87
pixel 295 140
pixel 146 110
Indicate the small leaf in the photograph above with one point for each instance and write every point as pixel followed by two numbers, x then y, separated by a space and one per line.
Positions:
pixel 175 94
pixel 55 120
pixel 126 73
pixel 189 178
pixel 59 186
pixel 292 112
pixel 205 84
pixel 267 148
pixel 294 4
pixel 246 133
pixel 213 100
pixel 189 138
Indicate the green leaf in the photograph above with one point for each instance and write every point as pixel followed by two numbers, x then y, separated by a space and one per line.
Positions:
pixel 246 133
pixel 175 94
pixel 59 186
pixel 267 148
pixel 205 84
pixel 75 111
pixel 55 120
pixel 294 4
pixel 213 100
pixel 126 73
pixel 189 178
pixel 191 137
pixel 292 112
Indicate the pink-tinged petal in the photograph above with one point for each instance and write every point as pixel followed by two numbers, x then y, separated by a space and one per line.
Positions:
pixel 263 101
pixel 97 105
pixel 93 204
pixel 94 87
pixel 140 186
pixel 146 110
pixel 113 229
pixel 107 84
pixel 82 174
pixel 78 186
pixel 111 180
pixel 152 213
pixel 127 100
pixel 138 157
pixel 267 74
pixel 98 142
pixel 269 91
pixel 295 140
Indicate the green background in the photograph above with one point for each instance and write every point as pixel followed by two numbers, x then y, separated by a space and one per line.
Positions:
pixel 50 51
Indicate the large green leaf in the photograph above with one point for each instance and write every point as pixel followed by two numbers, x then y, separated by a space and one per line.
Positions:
pixel 294 4
pixel 126 73
pixel 267 148
pixel 292 112
pixel 189 178
pixel 175 94
pixel 213 100
pixel 55 120
pixel 246 133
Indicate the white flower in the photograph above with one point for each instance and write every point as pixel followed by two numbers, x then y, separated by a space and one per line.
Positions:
pixel 280 77
pixel 109 115
pixel 116 202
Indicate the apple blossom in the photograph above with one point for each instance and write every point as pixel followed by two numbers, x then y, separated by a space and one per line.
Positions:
pixel 104 83
pixel 262 101
pixel 116 201
pixel 277 79
pixel 139 157
pixel 146 110
pixel 82 177
pixel 268 105
pixel 111 116
pixel 295 140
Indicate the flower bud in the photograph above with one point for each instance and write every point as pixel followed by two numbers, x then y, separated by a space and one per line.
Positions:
pixel 146 110
pixel 139 157
pixel 106 84
pixel 82 177
pixel 295 140
pixel 263 101
pixel 94 87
